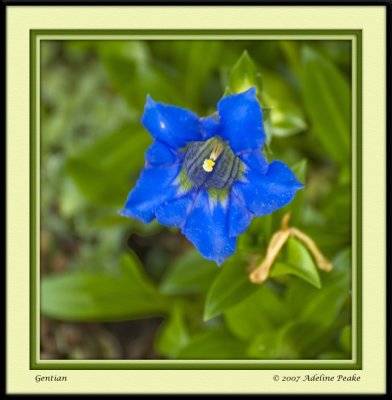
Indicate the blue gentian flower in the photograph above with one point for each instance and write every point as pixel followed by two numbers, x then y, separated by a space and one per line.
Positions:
pixel 208 176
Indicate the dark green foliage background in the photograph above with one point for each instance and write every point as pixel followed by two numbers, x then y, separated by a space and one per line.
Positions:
pixel 98 266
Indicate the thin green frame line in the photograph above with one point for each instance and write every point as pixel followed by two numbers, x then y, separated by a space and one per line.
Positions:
pixel 188 364
pixel 359 198
pixel 207 32
pixel 33 217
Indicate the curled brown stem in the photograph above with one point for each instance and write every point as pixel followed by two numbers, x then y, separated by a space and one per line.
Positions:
pixel 260 274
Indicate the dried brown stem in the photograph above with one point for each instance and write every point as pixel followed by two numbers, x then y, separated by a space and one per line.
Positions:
pixel 285 221
pixel 260 274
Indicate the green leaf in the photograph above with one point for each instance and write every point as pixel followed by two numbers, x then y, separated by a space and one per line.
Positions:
pixel 81 296
pixel 287 120
pixel 244 75
pixel 298 262
pixel 190 274
pixel 212 344
pixel 301 324
pixel 172 335
pixel 299 294
pixel 326 95
pixel 259 313
pixel 230 287
pixel 286 115
pixel 306 273
pixel 102 171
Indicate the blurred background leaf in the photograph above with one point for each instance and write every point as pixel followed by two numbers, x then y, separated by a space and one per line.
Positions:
pixel 173 335
pixel 112 158
pixel 102 297
pixel 327 98
pixel 214 343
pixel 190 274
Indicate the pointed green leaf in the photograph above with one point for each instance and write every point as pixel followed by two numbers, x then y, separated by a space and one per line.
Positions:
pixel 286 114
pixel 286 120
pixel 244 75
pixel 306 273
pixel 230 287
pixel 297 261
pixel 299 293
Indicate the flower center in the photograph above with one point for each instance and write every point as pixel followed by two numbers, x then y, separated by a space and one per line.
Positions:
pixel 209 163
pixel 212 164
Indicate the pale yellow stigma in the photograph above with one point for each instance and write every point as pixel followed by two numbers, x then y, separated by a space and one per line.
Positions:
pixel 208 164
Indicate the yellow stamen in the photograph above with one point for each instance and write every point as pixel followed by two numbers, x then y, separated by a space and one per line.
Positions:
pixel 216 152
pixel 208 165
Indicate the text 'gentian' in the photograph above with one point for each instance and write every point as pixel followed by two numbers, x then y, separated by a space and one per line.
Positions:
pixel 208 176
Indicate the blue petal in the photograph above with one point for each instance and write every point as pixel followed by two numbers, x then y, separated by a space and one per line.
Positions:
pixel 172 125
pixel 263 195
pixel 255 160
pixel 207 228
pixel 175 212
pixel 210 126
pixel 239 216
pixel 241 121
pixel 161 154
pixel 155 186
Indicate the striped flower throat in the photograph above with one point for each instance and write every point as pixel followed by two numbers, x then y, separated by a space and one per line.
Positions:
pixel 212 164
